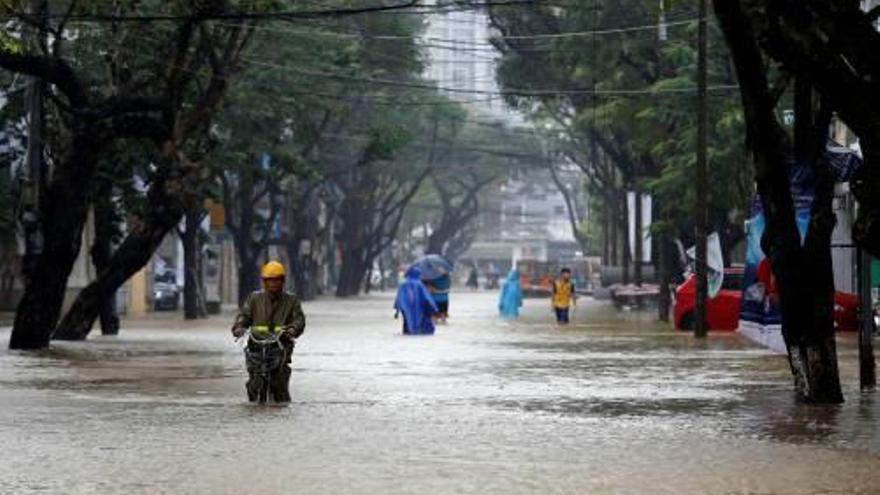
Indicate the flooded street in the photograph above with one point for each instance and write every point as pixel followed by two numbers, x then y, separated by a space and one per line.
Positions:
pixel 615 404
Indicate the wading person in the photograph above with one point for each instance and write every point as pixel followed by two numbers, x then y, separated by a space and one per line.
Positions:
pixel 563 296
pixel 439 289
pixel 511 297
pixel 271 312
pixel 473 280
pixel 416 304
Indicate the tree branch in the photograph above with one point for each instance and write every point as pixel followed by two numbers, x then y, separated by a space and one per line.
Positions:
pixel 51 70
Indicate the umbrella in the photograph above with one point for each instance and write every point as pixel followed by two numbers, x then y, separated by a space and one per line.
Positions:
pixel 433 266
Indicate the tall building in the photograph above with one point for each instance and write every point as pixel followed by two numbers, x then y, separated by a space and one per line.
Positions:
pixel 462 62
pixel 524 217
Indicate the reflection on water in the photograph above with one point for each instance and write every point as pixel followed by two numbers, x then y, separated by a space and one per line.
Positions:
pixel 614 404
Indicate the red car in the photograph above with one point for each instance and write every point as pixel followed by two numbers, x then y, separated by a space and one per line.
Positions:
pixel 723 309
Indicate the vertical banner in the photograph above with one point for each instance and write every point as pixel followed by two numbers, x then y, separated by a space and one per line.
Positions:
pixel 647 218
pixel 760 319
pixel 714 263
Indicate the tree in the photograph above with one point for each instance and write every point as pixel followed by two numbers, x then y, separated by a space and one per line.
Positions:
pixel 475 154
pixel 459 205
pixel 563 91
pixel 619 104
pixel 194 304
pixel 92 123
pixel 185 90
pixel 116 81
pixel 253 203
pixel 267 137
pixel 571 194
pixel 803 269
pixel 376 193
pixel 108 222
pixel 832 46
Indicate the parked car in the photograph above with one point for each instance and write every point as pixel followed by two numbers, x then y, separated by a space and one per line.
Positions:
pixel 166 293
pixel 722 311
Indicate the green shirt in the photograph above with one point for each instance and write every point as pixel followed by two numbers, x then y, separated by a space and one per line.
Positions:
pixel 264 313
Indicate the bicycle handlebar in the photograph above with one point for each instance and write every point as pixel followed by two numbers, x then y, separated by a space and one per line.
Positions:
pixel 270 337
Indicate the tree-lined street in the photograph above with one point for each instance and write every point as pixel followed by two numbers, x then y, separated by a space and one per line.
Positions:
pixel 694 183
pixel 614 404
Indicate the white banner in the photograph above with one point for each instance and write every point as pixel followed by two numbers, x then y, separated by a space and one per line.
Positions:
pixel 714 262
pixel 647 218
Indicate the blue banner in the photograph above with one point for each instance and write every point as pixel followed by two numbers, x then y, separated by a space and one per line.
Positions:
pixel 760 319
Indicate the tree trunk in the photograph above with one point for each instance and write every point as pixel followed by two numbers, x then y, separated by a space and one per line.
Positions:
pixel 368 279
pixel 297 267
pixel 803 272
pixel 606 235
pixel 102 250
pixel 247 251
pixel 867 365
pixel 65 210
pixel 193 302
pixel 436 242
pixel 815 331
pixel 665 278
pixel 351 273
pixel 866 233
pixel 248 274
pixel 460 243
pixel 354 247
pixel 381 262
pixel 133 254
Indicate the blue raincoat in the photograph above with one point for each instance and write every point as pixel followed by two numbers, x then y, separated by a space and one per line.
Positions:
pixel 511 297
pixel 416 304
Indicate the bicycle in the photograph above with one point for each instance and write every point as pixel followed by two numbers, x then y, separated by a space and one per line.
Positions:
pixel 264 356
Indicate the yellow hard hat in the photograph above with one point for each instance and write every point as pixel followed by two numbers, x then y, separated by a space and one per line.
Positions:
pixel 273 269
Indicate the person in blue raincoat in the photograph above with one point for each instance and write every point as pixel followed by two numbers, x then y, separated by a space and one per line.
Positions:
pixel 416 304
pixel 511 297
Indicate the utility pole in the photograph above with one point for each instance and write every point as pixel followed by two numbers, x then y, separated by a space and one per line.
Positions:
pixel 32 179
pixel 867 366
pixel 700 326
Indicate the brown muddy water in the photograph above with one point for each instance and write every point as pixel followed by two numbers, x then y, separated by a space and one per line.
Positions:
pixel 614 404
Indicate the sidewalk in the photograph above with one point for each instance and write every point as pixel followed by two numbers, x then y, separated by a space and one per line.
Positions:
pixel 155 319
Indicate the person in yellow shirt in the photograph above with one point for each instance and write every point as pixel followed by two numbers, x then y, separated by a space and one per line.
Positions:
pixel 563 296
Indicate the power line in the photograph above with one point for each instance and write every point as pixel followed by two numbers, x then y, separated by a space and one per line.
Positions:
pixel 374 99
pixel 507 92
pixel 411 7
pixel 498 93
pixel 487 44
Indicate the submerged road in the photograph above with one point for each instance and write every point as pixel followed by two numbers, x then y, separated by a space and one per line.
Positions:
pixel 614 404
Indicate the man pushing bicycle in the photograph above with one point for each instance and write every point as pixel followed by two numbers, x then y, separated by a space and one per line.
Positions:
pixel 272 315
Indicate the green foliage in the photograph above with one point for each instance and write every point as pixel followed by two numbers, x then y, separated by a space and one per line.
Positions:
pixel 10 44
pixel 11 152
pixel 650 129
pixel 7 221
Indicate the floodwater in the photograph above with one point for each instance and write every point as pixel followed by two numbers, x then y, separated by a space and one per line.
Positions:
pixel 614 404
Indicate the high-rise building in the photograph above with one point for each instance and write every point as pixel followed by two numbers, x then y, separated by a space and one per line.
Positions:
pixel 523 217
pixel 462 62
